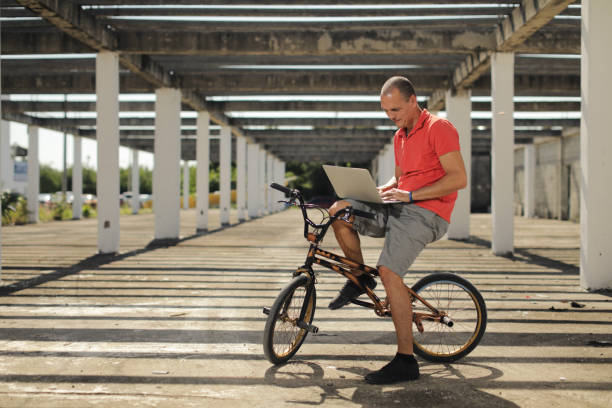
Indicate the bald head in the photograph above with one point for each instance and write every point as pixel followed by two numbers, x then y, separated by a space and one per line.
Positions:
pixel 402 84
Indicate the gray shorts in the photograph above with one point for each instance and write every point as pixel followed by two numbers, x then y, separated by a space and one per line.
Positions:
pixel 407 228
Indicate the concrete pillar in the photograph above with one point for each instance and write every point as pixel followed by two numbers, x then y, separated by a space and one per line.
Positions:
pixel 107 135
pixel 166 170
pixel 241 178
pixel 253 180
pixel 33 187
pixel 281 180
pixel 530 176
pixel 595 147
pixel 77 177
pixel 6 164
pixel 225 173
pixel 269 180
pixel 186 184
pixel 135 182
pixel 202 170
pixel 502 153
pixel 278 178
pixel 459 111
pixel 374 170
pixel 262 181
pixel 387 163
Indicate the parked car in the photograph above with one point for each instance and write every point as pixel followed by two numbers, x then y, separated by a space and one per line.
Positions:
pixel 90 200
pixel 44 198
pixel 58 197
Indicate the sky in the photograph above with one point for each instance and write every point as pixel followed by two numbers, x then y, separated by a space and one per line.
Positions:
pixel 51 149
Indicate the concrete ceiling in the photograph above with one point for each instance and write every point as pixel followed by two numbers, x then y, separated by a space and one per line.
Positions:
pixel 301 80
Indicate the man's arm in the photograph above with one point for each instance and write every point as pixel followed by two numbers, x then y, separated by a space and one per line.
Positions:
pixel 454 179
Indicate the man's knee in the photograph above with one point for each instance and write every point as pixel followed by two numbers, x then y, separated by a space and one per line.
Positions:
pixel 337 206
pixel 388 277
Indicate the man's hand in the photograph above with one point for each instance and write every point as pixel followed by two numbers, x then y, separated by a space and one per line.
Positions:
pixel 395 194
pixel 389 185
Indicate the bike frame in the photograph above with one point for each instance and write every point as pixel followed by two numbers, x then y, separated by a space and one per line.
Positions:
pixel 344 266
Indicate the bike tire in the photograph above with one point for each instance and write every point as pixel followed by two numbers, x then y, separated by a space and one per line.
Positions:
pixel 282 337
pixel 463 303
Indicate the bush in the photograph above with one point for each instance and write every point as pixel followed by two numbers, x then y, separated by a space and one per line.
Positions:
pixel 62 211
pixel 14 209
pixel 89 211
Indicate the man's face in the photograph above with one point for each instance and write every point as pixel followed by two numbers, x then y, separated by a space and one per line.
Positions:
pixel 401 111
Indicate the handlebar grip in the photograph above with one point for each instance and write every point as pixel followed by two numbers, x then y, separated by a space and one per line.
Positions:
pixel 281 188
pixel 363 214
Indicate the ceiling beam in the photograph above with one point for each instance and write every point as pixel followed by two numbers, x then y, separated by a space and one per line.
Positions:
pixel 513 31
pixel 313 84
pixel 236 106
pixel 320 43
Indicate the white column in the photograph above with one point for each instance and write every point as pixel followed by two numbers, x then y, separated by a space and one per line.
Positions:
pixel 269 180
pixel 225 173
pixel 241 178
pixel 6 164
pixel 77 177
pixel 387 163
pixel 253 179
pixel 202 170
pixel 276 178
pixel 379 175
pixel 595 147
pixel 281 180
pixel 166 170
pixel 186 184
pixel 459 111
pixel 530 176
pixel 262 181
pixel 135 182
pixel 33 187
pixel 107 134
pixel 502 153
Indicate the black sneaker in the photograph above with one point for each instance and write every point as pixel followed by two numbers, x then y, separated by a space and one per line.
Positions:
pixel 351 291
pixel 403 367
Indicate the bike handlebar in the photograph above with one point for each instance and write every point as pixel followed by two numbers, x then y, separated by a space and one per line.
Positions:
pixel 281 188
pixel 295 194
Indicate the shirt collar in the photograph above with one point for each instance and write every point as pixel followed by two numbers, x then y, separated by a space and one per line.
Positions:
pixel 420 123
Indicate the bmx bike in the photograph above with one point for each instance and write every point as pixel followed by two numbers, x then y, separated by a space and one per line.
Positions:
pixel 449 313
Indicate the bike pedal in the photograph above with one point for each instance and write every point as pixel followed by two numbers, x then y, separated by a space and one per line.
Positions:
pixel 266 310
pixel 308 327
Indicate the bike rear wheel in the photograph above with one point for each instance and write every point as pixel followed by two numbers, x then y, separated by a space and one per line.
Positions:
pixel 463 304
pixel 294 306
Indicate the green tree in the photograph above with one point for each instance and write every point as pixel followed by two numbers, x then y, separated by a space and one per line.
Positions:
pixel 89 181
pixel 146 180
pixel 50 179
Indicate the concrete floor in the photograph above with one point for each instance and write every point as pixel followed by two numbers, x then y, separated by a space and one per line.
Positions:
pixel 182 325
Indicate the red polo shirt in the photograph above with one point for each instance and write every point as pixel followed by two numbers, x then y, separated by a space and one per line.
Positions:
pixel 417 154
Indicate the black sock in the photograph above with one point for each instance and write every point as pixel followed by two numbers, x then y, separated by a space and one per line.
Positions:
pixel 405 357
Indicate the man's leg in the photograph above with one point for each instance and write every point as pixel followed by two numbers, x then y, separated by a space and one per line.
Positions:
pixel 349 241
pixel 347 237
pixel 401 308
pixel 403 367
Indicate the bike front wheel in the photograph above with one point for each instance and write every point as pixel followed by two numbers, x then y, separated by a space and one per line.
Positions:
pixel 288 318
pixel 465 308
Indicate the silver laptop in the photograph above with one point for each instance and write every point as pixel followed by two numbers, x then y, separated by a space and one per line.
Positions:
pixel 355 183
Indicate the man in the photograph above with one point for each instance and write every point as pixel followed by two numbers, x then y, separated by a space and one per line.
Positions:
pixel 429 171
